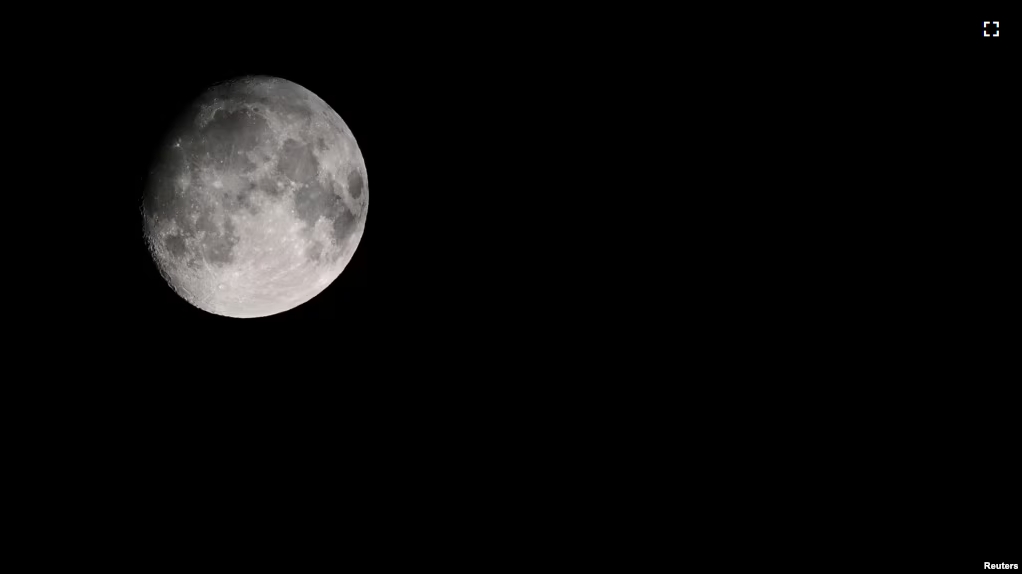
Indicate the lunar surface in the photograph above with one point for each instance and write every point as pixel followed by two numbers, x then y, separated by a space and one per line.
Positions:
pixel 257 198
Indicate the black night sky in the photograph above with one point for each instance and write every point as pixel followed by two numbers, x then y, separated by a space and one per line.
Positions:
pixel 773 249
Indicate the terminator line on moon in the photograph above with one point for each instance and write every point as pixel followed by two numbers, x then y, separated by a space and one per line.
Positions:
pixel 256 200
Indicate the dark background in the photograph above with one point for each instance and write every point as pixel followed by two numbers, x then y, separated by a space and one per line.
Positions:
pixel 771 250
pixel 978 108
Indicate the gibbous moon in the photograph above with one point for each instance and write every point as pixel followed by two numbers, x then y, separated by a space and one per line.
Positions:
pixel 256 199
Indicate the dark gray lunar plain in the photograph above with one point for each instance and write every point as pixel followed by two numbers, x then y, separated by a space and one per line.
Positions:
pixel 257 198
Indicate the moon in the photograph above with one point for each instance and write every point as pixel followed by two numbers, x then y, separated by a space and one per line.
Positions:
pixel 256 199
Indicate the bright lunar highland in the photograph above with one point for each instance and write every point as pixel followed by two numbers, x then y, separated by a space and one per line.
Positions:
pixel 256 200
